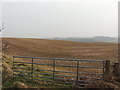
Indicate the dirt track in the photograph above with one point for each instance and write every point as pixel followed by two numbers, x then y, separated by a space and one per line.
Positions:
pixel 61 49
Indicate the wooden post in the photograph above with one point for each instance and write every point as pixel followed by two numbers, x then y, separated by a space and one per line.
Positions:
pixel 119 68
pixel 107 68
pixel 116 69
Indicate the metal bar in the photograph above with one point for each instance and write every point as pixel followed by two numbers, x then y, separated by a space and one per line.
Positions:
pixel 44 77
pixel 61 75
pixel 13 67
pixel 22 71
pixel 78 76
pixel 77 72
pixel 62 65
pixel 23 62
pixel 70 76
pixel 64 71
pixel 32 69
pixel 43 73
pixel 54 78
pixel 59 59
pixel 73 80
pixel 53 70
pixel 56 81
pixel 79 66
pixel 43 64
pixel 43 70
pixel 23 68
pixel 71 72
pixel 23 75
pixel 57 78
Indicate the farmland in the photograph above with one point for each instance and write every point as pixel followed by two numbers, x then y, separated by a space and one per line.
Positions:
pixel 60 49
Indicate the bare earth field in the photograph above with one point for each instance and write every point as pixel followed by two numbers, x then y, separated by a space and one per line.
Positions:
pixel 60 49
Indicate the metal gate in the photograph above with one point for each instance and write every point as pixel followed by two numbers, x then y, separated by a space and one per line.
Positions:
pixel 60 70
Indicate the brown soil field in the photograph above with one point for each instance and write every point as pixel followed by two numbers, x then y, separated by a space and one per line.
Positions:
pixel 60 49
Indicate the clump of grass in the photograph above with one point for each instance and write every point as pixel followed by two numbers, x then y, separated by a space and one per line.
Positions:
pixel 102 84
pixel 7 72
pixel 19 85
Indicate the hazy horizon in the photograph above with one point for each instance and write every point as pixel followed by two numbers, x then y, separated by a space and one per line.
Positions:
pixel 55 37
pixel 60 19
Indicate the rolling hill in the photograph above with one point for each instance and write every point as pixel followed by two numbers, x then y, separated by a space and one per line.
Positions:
pixel 89 39
pixel 60 49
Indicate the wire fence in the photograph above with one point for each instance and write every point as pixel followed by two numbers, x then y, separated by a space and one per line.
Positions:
pixel 60 70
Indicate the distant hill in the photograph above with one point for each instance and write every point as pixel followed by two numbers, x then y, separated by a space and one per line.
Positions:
pixel 89 39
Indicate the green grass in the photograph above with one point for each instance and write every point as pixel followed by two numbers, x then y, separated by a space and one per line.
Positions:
pixel 32 83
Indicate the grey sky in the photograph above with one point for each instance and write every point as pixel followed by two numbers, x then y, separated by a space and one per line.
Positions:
pixel 85 18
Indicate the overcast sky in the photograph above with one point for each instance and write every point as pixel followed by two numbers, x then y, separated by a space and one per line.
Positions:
pixel 61 18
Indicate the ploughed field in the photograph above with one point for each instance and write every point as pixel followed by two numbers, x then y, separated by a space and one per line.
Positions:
pixel 60 49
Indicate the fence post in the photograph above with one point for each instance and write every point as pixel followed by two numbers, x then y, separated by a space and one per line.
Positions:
pixel 119 67
pixel 77 72
pixel 107 68
pixel 116 71
pixel 32 70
